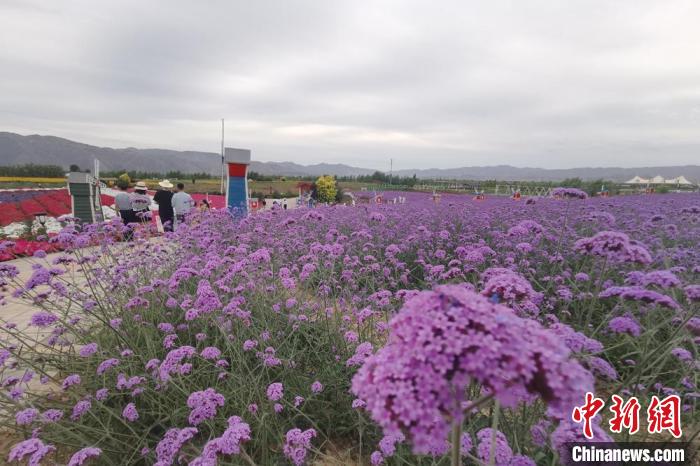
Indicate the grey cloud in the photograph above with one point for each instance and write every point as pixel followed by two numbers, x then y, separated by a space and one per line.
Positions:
pixel 538 83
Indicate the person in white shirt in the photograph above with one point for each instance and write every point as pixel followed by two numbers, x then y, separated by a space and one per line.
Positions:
pixel 140 201
pixel 122 203
pixel 182 203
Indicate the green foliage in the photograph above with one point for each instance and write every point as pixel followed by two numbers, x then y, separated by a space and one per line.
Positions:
pixel 124 180
pixel 591 187
pixel 381 177
pixel 326 188
pixel 273 195
pixel 31 169
pixel 572 183
pixel 255 176
pixel 146 175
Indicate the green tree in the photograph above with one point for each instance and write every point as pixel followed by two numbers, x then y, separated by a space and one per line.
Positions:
pixel 124 180
pixel 326 188
pixel 31 169
pixel 74 168
pixel 572 183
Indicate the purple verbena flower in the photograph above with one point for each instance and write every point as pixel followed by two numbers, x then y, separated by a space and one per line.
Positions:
pixel 297 444
pixel 83 455
pixel 203 405
pixel 275 391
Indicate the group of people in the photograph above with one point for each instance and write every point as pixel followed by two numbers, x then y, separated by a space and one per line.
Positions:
pixel 172 206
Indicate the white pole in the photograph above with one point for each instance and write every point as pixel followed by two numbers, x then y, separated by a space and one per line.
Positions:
pixel 222 156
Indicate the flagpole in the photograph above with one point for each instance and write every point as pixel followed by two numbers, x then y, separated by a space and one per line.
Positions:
pixel 222 156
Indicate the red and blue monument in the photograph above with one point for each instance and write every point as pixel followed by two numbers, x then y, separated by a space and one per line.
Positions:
pixel 237 161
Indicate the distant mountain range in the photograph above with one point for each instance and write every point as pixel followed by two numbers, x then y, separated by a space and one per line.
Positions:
pixel 17 149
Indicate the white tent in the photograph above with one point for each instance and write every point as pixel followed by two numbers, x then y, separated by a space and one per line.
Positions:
pixel 658 179
pixel 637 180
pixel 679 180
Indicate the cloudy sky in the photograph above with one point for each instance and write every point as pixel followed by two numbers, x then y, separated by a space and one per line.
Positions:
pixel 430 84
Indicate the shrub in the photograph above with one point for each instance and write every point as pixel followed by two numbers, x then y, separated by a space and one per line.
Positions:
pixel 326 189
pixel 124 180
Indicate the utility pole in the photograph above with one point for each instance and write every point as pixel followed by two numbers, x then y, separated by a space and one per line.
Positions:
pixel 391 171
pixel 222 156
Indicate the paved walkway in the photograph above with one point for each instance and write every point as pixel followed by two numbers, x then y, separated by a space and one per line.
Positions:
pixel 19 311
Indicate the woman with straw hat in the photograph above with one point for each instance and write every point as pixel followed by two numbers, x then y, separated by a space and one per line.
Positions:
pixel 163 198
pixel 140 202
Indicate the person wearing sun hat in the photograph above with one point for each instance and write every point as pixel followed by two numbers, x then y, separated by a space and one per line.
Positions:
pixel 163 198
pixel 140 202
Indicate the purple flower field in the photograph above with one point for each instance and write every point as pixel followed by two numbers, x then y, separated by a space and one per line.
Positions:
pixel 462 332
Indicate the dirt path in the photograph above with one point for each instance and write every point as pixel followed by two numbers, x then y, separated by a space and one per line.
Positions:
pixel 16 310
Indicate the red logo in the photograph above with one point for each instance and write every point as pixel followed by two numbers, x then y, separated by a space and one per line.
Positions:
pixel 661 415
pixel 587 412
pixel 625 415
pixel 665 415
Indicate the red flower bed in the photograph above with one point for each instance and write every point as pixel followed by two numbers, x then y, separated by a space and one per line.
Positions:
pixel 10 213
pixel 30 207
pixel 22 205
pixel 216 201
pixel 55 203
pixel 106 200
pixel 23 247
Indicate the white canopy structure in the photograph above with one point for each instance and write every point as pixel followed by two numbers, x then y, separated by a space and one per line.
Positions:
pixel 679 180
pixel 637 180
pixel 658 179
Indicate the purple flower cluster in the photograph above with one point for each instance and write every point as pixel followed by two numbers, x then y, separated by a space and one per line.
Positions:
pixel 615 246
pixel 43 319
pixel 80 408
pixel 493 444
pixel 443 340
pixel 569 432
pixel 211 353
pixel 203 405
pixel 625 324
pixel 106 365
pixel 229 443
pixel 572 193
pixel 33 448
pixel 169 446
pixel 26 416
pixel 81 456
pixel 129 413
pixel 510 288
pixel 73 379
pixel 88 350
pixel 636 293
pixel 297 444
pixel 172 362
pixel 275 391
